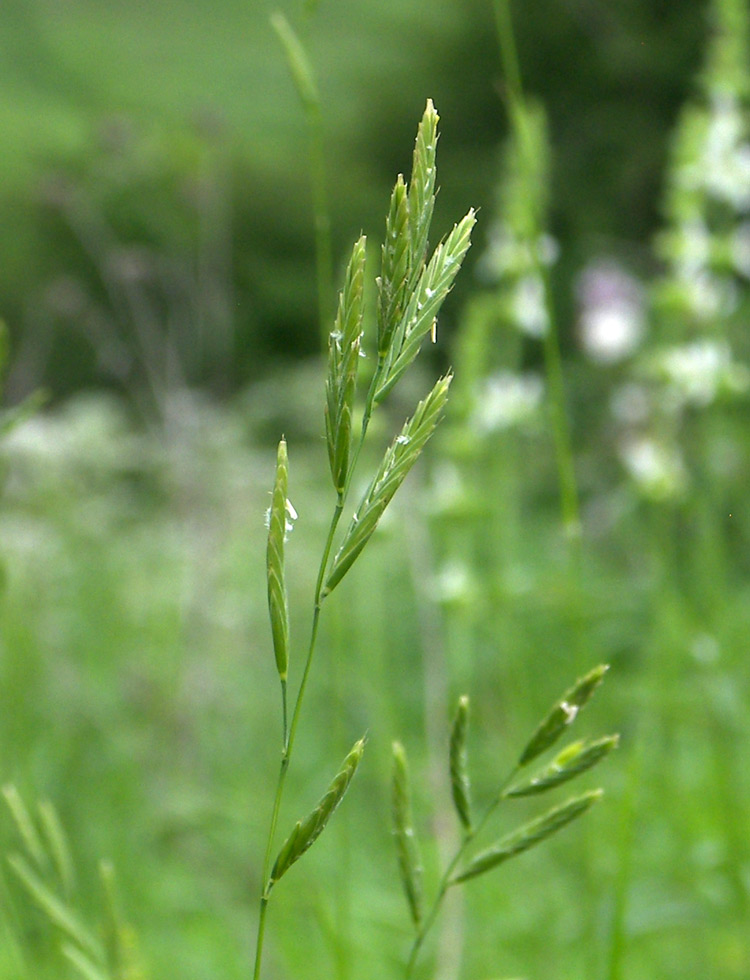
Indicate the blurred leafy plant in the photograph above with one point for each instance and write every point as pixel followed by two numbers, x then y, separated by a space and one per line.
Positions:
pixel 574 760
pixel 46 872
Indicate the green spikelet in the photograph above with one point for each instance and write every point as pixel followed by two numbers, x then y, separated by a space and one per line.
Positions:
pixel 529 835
pixel 422 189
pixel 407 848
pixel 392 281
pixel 562 714
pixel 307 831
pixel 423 306
pixel 571 762
pixel 397 461
pixel 459 765
pixel 277 598
pixel 343 361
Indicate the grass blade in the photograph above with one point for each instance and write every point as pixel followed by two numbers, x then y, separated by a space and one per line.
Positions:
pixel 25 827
pixel 81 962
pixel 58 846
pixel 529 835
pixel 407 848
pixel 58 912
pixel 299 66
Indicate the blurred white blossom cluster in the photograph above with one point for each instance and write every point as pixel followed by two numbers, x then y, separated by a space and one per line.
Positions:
pixel 691 325
pixel 706 243
pixel 519 248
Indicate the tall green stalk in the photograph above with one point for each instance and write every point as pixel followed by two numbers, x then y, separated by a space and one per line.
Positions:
pixel 307 89
pixel 412 289
pixel 552 357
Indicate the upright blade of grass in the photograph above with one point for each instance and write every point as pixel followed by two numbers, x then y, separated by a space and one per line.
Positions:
pixel 343 360
pixel 399 458
pixel 57 911
pixel 407 848
pixel 297 60
pixel 58 847
pixel 434 284
pixel 83 964
pixel 307 831
pixel 529 835
pixel 552 357
pixel 574 759
pixel 562 714
pixel 25 826
pixel 307 89
pixel 459 764
pixel 121 942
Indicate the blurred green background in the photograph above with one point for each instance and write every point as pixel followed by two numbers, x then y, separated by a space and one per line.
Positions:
pixel 153 177
pixel 157 276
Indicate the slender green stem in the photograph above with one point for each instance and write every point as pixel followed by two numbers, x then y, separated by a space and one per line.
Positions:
pixel 322 220
pixel 289 738
pixel 445 881
pixel 552 357
pixel 283 712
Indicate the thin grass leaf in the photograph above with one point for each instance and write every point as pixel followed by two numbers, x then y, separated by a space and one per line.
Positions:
pixel 58 912
pixel 459 764
pixel 112 920
pixel 571 762
pixel 422 190
pixel 58 847
pixel 299 65
pixel 407 847
pixel 277 530
pixel 395 259
pixel 529 835
pixel 562 714
pixel 120 939
pixel 343 360
pixel 25 827
pixel 424 304
pixel 81 962
pixel 307 831
pixel 399 458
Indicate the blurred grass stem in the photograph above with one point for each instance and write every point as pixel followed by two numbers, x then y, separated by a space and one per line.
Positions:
pixel 445 881
pixel 307 89
pixel 552 357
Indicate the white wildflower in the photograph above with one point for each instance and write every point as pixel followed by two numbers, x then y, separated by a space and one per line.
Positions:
pixel 657 469
pixel 528 307
pixel 611 323
pixel 698 372
pixel 505 399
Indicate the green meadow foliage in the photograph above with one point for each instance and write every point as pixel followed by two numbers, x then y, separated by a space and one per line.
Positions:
pixel 473 536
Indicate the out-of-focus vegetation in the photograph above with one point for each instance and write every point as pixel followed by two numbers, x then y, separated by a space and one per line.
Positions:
pixel 156 236
pixel 153 179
